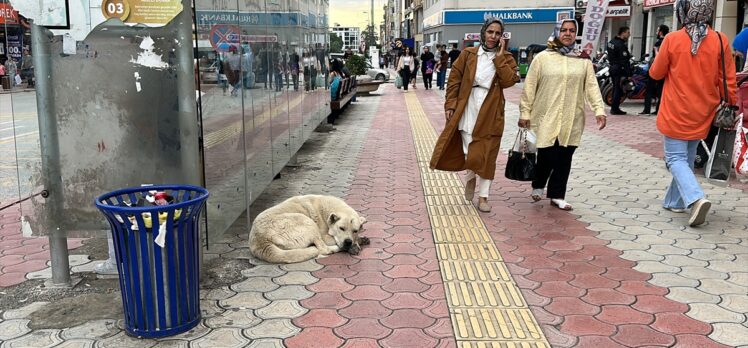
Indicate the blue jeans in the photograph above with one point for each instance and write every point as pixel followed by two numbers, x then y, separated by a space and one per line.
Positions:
pixel 440 77
pixel 684 189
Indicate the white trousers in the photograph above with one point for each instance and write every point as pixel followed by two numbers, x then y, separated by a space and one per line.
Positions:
pixel 482 185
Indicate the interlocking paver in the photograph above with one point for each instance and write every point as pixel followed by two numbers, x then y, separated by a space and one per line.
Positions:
pixel 10 329
pixel 712 313
pixel 730 334
pixel 90 330
pixel 37 338
pixel 225 337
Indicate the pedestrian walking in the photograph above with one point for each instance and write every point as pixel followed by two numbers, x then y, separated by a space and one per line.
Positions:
pixel 233 70
pixel 441 68
pixel 474 110
pixel 654 87
pixel 427 67
pixel 620 67
pixel 552 104
pixel 453 54
pixel 414 73
pixel 405 67
pixel 690 61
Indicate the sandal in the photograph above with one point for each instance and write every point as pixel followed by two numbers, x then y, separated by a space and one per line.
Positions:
pixel 537 194
pixel 561 204
pixel 483 205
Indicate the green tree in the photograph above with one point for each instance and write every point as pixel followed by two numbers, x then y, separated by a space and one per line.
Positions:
pixel 336 43
pixel 356 64
pixel 370 37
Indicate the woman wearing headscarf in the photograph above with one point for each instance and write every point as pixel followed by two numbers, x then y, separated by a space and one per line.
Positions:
pixel 552 104
pixel 690 61
pixel 474 109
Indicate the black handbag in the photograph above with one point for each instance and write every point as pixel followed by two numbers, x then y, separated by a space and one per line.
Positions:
pixel 521 164
pixel 726 115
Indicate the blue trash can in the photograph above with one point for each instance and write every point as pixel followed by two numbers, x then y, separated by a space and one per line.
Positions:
pixel 160 285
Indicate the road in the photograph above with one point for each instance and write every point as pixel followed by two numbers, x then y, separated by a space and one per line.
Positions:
pixel 19 145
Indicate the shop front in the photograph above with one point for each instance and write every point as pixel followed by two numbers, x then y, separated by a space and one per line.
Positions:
pixel 525 26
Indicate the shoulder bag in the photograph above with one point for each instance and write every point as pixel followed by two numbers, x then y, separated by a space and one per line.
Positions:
pixel 726 115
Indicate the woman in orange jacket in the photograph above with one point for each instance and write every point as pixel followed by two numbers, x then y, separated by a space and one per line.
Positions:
pixel 690 61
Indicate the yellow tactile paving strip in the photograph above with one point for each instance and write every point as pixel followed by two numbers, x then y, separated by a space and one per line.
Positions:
pixel 232 130
pixel 485 304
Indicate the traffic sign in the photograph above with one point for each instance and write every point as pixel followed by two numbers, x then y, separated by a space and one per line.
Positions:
pixel 223 36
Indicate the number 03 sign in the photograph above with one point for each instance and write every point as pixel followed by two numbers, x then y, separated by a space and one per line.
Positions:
pixel 115 9
pixel 152 13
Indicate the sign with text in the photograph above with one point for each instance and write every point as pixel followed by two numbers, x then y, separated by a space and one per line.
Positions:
pixel 255 18
pixel 542 15
pixel 154 13
pixel 618 12
pixel 657 3
pixel 8 15
pixel 594 19
pixel 15 46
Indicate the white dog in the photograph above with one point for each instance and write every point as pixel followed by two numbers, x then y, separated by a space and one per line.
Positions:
pixel 305 227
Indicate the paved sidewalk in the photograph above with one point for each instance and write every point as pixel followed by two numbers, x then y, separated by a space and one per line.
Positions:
pixel 618 271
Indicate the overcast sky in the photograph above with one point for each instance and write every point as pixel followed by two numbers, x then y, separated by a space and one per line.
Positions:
pixel 350 13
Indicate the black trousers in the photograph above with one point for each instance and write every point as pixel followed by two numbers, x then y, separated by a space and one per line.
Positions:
pixel 617 93
pixel 553 168
pixel 405 73
pixel 427 78
pixel 654 92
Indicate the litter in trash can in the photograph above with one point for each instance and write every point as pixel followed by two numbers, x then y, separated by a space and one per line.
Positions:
pixel 158 266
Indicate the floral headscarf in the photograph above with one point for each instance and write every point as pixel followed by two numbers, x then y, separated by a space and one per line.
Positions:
pixel 695 16
pixel 554 42
pixel 489 21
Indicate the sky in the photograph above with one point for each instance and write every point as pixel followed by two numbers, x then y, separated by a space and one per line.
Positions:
pixel 350 13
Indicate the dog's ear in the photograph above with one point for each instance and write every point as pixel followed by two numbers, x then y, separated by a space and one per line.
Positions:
pixel 333 218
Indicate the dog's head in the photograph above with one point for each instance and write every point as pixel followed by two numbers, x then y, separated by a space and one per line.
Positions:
pixel 345 228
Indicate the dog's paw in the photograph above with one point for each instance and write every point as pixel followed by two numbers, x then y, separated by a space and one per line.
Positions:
pixel 363 241
pixel 355 249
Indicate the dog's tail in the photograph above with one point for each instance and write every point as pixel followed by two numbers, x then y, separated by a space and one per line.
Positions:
pixel 272 253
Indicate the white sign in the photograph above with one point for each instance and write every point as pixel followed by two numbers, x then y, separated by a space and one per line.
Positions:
pixel 507 35
pixel 618 12
pixel 472 36
pixel 593 26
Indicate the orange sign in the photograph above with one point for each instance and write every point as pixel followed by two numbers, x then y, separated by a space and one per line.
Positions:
pixel 8 15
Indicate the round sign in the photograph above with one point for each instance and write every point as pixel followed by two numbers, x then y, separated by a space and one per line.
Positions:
pixel 115 9
pixel 223 37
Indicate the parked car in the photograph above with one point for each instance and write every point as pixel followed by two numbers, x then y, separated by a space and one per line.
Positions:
pixel 376 73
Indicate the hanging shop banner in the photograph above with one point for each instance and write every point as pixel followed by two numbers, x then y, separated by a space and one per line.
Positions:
pixel 15 46
pixel 154 13
pixel 594 19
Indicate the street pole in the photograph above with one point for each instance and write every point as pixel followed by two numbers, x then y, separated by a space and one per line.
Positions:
pixel 50 156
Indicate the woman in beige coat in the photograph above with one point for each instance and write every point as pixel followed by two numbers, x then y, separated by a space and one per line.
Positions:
pixel 474 109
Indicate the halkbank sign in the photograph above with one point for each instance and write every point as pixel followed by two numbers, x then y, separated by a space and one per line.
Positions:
pixel 517 15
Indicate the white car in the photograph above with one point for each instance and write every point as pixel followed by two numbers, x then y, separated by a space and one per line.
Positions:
pixel 376 73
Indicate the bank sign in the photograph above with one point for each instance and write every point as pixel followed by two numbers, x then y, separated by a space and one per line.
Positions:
pixel 290 19
pixel 543 15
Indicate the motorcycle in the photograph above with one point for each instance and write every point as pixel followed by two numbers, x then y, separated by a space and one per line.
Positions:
pixel 602 70
pixel 634 87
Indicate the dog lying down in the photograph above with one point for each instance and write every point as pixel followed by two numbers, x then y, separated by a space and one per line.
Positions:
pixel 305 227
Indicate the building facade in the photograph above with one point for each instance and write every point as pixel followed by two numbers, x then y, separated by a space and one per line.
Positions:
pixel 459 22
pixel 351 36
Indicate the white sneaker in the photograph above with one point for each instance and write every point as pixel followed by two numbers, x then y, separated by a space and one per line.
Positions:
pixel 699 210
